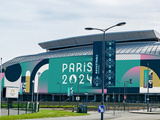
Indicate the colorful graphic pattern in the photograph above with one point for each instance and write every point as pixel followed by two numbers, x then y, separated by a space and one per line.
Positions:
pixel 76 72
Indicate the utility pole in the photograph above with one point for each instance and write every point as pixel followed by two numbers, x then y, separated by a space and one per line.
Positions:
pixel 148 90
pixel 125 97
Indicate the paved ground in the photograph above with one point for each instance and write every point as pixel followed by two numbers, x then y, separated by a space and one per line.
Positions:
pixel 4 112
pixel 109 115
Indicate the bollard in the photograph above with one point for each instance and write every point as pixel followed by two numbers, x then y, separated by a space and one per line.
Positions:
pixel 114 110
pixel 85 110
pixel 38 107
pixel 73 109
pixel 150 109
pixel 77 109
pixel 26 108
pixel 28 105
pixel 32 107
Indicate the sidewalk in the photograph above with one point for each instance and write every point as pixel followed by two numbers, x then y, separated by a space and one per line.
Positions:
pixel 4 112
pixel 157 111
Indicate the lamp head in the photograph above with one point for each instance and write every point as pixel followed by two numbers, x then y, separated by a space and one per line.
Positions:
pixel 88 28
pixel 120 24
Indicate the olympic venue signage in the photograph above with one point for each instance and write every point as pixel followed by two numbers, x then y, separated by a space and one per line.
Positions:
pixel 110 53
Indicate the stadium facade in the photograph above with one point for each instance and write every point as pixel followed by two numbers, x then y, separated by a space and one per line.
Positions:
pixel 68 62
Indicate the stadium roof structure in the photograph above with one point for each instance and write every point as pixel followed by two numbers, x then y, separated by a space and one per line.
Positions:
pixel 131 36
pixel 132 42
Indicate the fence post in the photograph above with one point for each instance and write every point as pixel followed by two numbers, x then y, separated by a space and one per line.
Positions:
pixel 26 108
pixel 38 106
pixel 18 108
pixel 32 107
pixel 8 108
pixel 114 110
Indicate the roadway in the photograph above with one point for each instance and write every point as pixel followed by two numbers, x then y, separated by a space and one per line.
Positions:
pixel 110 115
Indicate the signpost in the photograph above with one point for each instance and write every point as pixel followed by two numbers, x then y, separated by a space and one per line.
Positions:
pixel 103 69
pixel 101 108
pixel 77 98
pixel 11 92
pixel 97 64
pixel 104 59
pixel 110 62
pixel 110 53
pixel 70 92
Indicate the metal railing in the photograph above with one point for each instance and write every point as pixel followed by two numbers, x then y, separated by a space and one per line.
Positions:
pixel 17 108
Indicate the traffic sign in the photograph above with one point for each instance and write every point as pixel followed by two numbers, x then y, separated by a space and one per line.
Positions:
pixel 77 98
pixel 101 108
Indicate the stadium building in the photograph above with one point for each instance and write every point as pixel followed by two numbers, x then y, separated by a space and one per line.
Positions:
pixel 67 66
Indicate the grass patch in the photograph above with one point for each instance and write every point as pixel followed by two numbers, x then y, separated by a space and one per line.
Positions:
pixel 42 114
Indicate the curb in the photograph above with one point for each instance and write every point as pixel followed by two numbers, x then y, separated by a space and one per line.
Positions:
pixel 146 112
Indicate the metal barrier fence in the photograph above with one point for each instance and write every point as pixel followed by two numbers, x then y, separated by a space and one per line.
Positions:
pixel 18 108
pixel 133 107
pixel 93 106
pixel 21 107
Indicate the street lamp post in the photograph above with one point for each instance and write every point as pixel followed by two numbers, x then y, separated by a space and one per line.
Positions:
pixel 119 93
pixel 148 90
pixel 60 94
pixel 32 90
pixel 124 91
pixel 39 74
pixel 70 90
pixel 78 94
pixel 103 57
pixel 86 102
pixel 78 98
pixel 114 104
pixel 32 94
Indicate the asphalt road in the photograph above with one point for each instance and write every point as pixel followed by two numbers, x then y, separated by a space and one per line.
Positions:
pixel 109 115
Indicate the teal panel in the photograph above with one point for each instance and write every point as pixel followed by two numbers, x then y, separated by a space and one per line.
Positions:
pixel 2 83
pixel 28 66
pixel 43 82
pixel 69 71
pixel 126 70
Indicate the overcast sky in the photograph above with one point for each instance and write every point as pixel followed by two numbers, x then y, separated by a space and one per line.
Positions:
pixel 25 23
